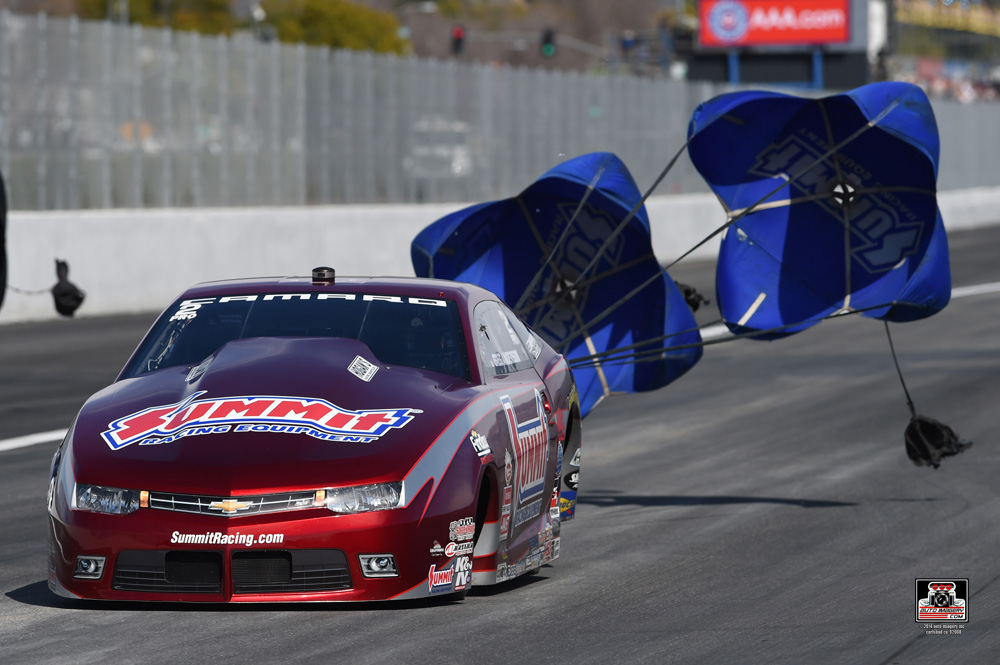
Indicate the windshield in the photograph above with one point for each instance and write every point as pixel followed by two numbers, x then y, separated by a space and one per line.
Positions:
pixel 400 330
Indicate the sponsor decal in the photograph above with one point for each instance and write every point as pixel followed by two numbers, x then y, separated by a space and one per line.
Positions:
pixel 772 22
pixel 534 348
pixel 525 513
pixel 440 580
pixel 530 440
pixel 294 415
pixel 728 21
pixel 575 462
pixel 942 600
pixel 515 340
pixel 220 538
pixel 462 530
pixel 463 572
pixel 188 309
pixel 436 549
pixel 481 445
pixel 504 358
pixel 508 467
pixel 554 506
pixel 501 359
pixel 567 504
pixel 362 369
pixel 200 369
pixel 534 559
pixel 572 480
pixel 458 549
pixel 884 230
pixel 505 512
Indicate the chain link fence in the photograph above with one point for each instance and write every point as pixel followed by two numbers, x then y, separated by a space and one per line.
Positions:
pixel 100 115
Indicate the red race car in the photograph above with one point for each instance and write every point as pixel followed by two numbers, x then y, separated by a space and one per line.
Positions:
pixel 318 439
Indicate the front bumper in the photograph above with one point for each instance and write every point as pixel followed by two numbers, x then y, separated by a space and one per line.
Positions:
pixel 306 555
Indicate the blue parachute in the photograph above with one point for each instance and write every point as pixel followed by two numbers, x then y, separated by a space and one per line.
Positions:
pixel 566 254
pixel 831 206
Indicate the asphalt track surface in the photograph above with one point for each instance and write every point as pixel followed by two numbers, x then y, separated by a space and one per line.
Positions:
pixel 759 510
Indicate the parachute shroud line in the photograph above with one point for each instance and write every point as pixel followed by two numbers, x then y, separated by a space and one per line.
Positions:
pixel 753 309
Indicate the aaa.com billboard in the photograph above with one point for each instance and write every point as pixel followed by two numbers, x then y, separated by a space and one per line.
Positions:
pixel 731 23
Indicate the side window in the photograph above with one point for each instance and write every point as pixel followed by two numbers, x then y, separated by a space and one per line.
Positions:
pixel 500 349
pixel 528 338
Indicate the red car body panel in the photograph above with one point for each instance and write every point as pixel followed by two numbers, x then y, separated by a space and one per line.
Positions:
pixel 480 461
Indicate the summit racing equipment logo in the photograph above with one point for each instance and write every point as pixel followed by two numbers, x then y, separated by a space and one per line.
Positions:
pixel 294 415
pixel 440 580
pixel 530 440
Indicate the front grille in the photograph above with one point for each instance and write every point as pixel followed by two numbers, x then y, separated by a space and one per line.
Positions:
pixel 168 572
pixel 291 571
pixel 229 506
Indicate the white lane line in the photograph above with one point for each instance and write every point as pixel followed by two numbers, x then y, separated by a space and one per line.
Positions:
pixel 976 290
pixel 720 329
pixel 711 332
pixel 32 439
pixel 714 332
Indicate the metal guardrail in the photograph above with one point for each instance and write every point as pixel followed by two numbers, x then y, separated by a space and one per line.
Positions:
pixel 96 115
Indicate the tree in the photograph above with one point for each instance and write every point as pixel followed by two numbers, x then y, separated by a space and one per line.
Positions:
pixel 334 23
pixel 209 17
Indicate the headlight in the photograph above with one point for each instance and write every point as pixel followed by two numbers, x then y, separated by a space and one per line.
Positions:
pixel 365 498
pixel 99 499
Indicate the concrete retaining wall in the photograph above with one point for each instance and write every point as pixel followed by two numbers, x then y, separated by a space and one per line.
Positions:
pixel 139 260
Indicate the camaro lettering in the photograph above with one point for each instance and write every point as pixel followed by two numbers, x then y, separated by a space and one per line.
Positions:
pixel 316 417
pixel 188 309
pixel 530 440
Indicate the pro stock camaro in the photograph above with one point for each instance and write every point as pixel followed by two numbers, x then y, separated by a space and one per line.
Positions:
pixel 318 439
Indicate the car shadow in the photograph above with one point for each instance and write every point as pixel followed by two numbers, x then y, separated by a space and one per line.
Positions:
pixel 610 498
pixel 37 594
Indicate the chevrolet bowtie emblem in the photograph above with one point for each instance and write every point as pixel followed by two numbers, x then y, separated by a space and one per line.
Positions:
pixel 230 506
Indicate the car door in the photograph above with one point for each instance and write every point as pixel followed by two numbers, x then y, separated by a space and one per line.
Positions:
pixel 522 422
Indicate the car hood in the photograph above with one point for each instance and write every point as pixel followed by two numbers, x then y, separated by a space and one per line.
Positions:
pixel 265 414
